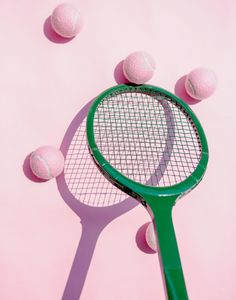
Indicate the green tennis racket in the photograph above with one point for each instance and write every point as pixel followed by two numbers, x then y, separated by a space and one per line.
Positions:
pixel 150 144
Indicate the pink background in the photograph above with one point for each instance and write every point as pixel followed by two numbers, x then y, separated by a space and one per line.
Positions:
pixel 45 82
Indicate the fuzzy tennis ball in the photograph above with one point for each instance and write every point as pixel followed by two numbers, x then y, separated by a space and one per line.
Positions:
pixel 151 237
pixel 200 83
pixel 47 162
pixel 66 20
pixel 139 67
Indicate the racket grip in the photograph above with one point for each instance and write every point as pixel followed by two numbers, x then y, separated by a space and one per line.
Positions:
pixel 175 284
pixel 169 253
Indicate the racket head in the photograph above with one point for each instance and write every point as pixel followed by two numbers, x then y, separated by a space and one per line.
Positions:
pixel 136 189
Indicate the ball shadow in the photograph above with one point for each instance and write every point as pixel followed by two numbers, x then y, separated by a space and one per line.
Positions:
pixel 27 171
pixel 119 75
pixel 181 92
pixel 51 35
pixel 141 240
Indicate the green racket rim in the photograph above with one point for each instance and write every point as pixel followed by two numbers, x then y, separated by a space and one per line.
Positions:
pixel 135 189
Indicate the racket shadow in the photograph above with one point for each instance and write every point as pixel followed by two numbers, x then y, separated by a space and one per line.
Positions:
pixel 93 219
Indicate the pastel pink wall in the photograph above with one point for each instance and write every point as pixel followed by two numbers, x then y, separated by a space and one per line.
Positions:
pixel 44 83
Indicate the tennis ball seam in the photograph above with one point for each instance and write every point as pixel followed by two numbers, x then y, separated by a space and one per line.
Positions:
pixel 148 62
pixel 192 87
pixel 75 19
pixel 45 165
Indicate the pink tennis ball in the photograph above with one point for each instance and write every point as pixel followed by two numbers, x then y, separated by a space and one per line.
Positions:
pixel 150 236
pixel 66 20
pixel 139 67
pixel 200 83
pixel 47 162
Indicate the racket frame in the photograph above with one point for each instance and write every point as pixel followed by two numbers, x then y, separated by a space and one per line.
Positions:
pixel 159 201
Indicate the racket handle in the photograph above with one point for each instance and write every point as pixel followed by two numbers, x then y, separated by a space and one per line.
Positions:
pixel 169 253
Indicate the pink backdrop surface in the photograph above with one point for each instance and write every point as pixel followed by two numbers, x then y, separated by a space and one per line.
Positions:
pixel 45 82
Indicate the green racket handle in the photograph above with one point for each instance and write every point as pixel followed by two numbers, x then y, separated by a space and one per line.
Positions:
pixel 174 278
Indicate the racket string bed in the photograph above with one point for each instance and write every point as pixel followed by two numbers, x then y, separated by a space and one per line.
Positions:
pixel 147 137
